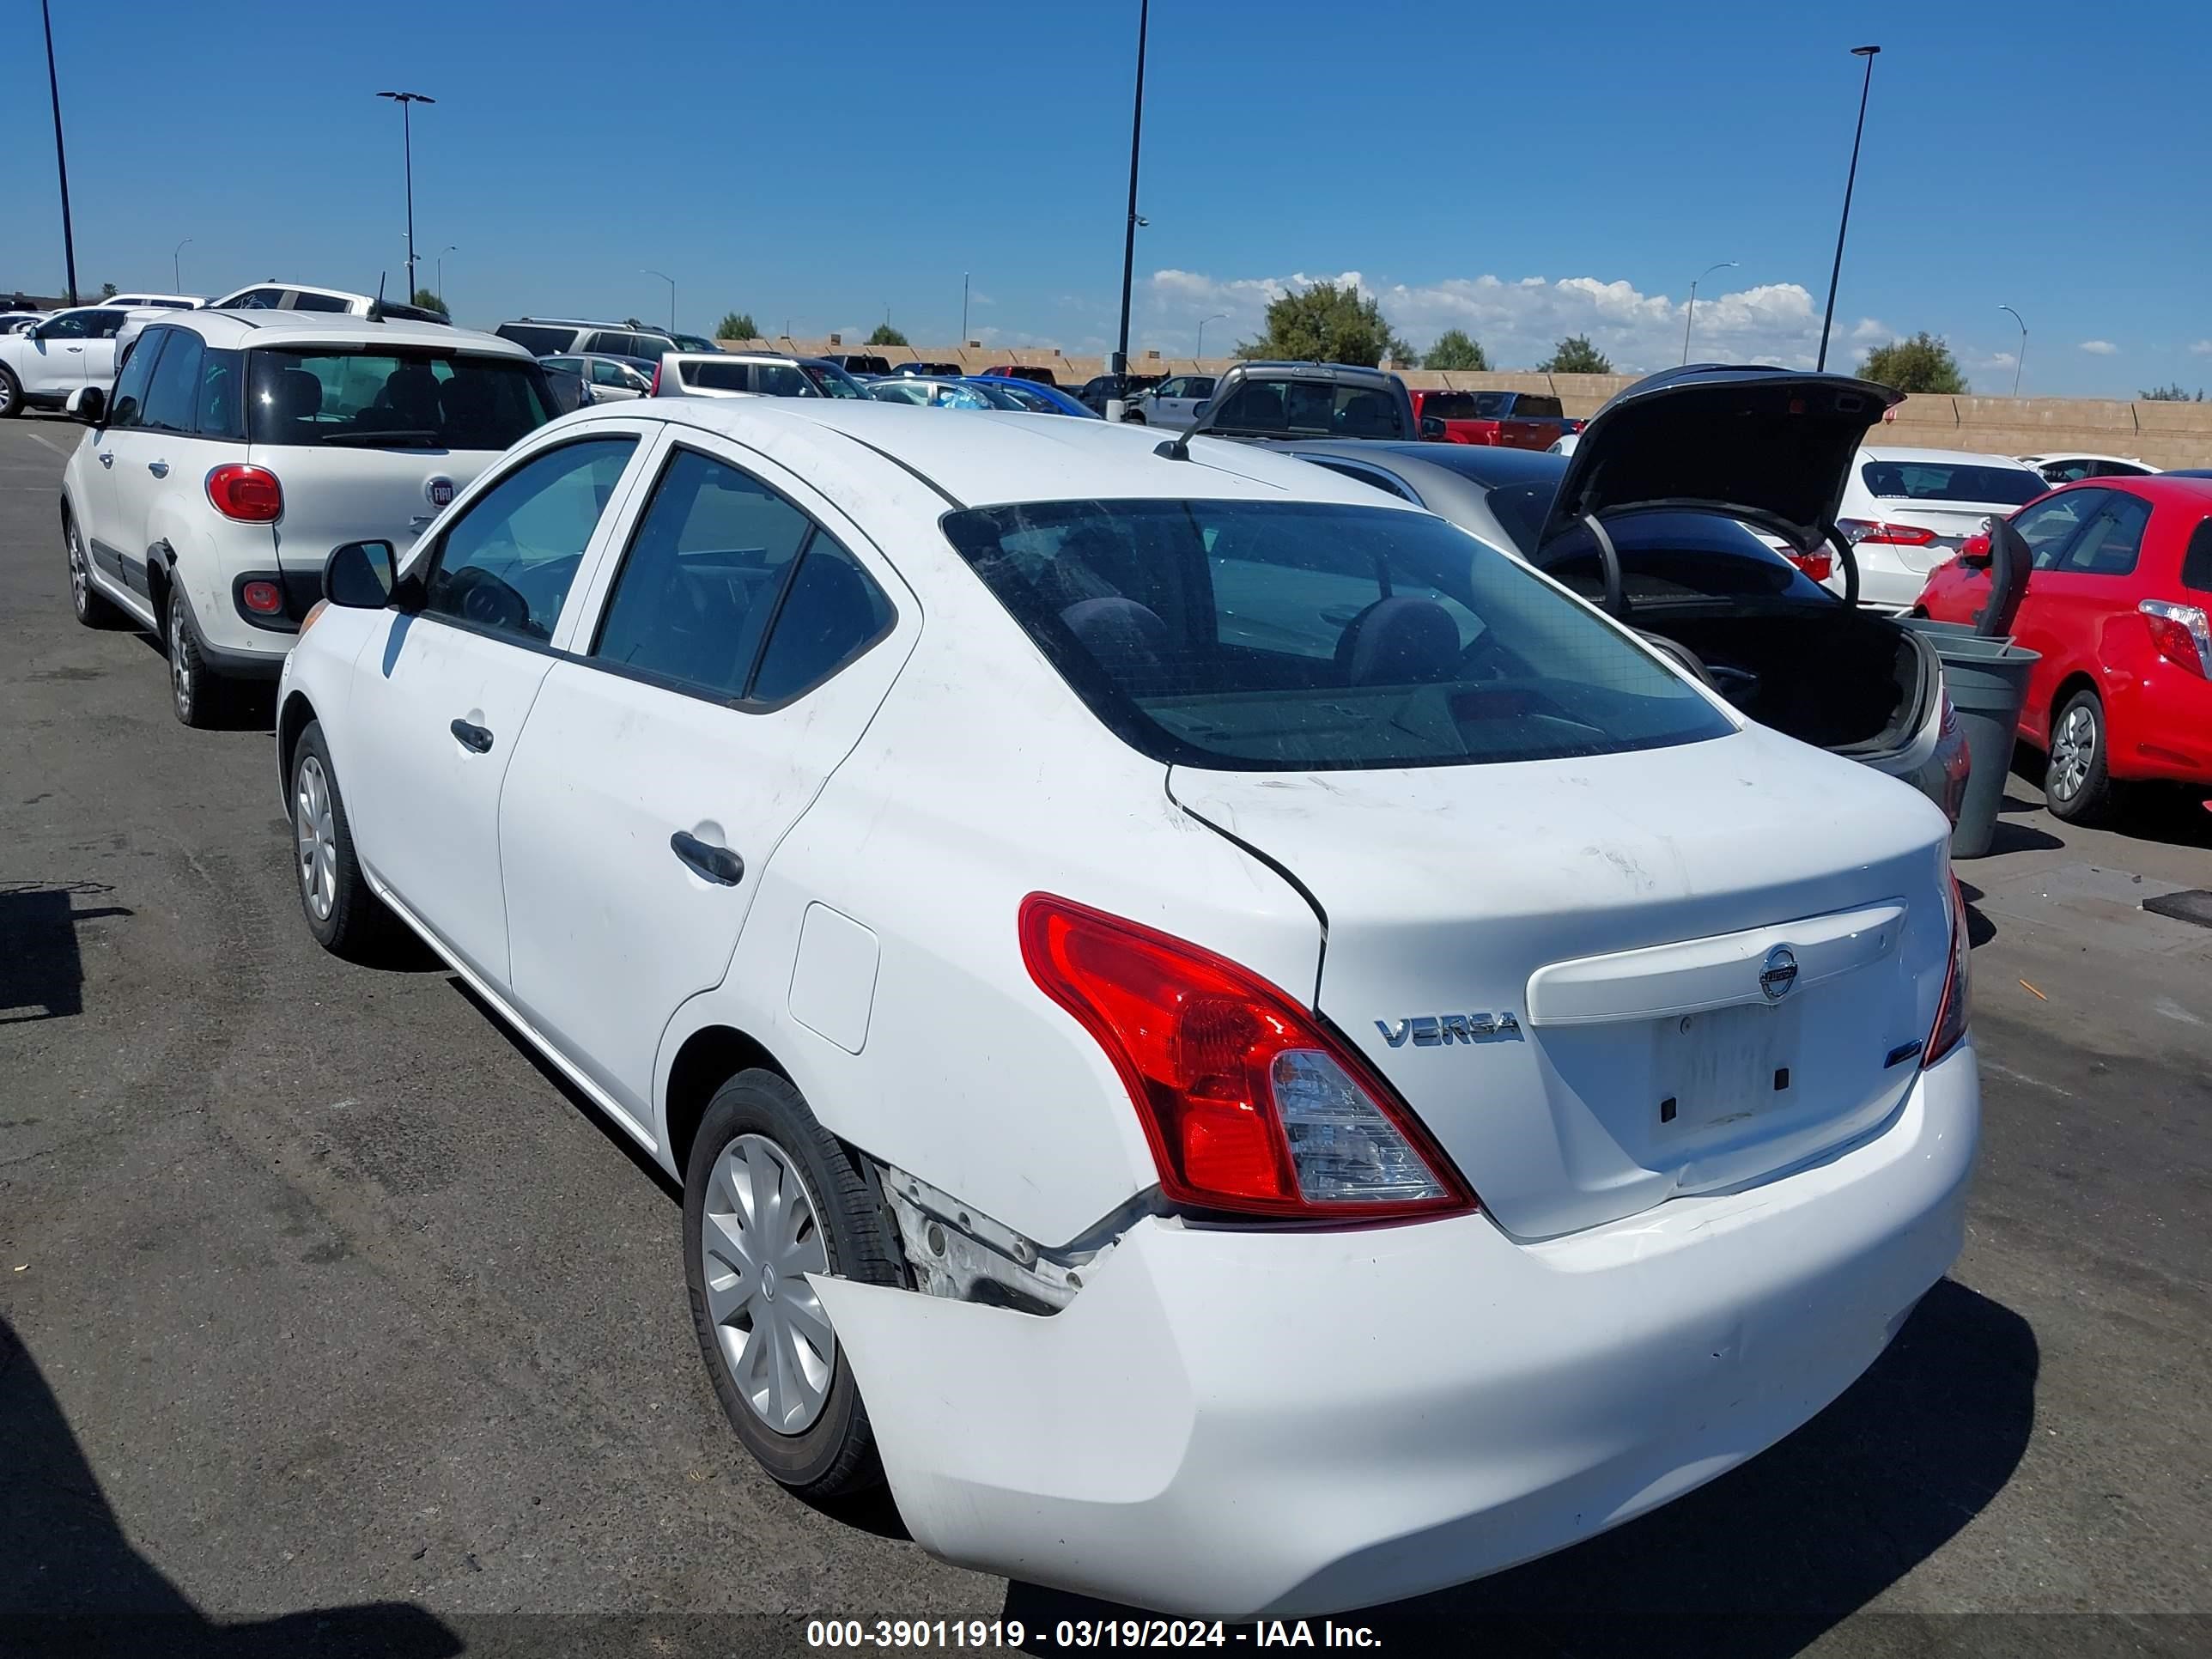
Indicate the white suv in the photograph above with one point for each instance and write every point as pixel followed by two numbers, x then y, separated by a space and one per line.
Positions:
pixel 41 365
pixel 237 451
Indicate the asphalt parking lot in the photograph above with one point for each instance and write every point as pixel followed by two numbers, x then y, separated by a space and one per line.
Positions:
pixel 329 1321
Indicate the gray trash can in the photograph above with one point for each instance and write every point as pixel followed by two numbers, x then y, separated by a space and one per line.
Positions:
pixel 1988 683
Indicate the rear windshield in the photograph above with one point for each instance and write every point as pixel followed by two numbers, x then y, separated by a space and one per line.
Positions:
pixel 1674 558
pixel 537 338
pixel 393 399
pixel 1309 409
pixel 1266 635
pixel 1945 481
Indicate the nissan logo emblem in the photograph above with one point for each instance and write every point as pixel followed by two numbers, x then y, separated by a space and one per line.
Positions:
pixel 1778 973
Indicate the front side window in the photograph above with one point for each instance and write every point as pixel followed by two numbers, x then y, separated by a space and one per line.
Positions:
pixel 408 399
pixel 172 399
pixel 506 564
pixel 2047 526
pixel 831 382
pixel 1262 636
pixel 128 407
pixel 716 558
pixel 1946 481
pixel 615 374
pixel 303 301
pixel 67 325
pixel 2112 541
pixel 899 391
pixel 257 299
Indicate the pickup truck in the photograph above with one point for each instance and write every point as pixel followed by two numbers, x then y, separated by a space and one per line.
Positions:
pixel 1509 420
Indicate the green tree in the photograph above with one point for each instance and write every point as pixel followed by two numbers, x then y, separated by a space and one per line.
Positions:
pixel 1456 349
pixel 1576 356
pixel 886 335
pixel 430 301
pixel 632 322
pixel 108 290
pixel 1326 323
pixel 736 325
pixel 2171 394
pixel 1923 363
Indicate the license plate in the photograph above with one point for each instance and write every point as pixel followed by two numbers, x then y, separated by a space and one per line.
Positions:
pixel 1723 1067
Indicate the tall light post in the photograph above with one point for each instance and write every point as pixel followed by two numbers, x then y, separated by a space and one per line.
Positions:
pixel 1692 316
pixel 438 261
pixel 1835 275
pixel 2020 361
pixel 61 156
pixel 177 265
pixel 1120 366
pixel 1219 316
pixel 963 310
pixel 406 100
pixel 670 280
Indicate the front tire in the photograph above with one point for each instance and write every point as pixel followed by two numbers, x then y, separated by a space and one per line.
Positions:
pixel 93 609
pixel 11 395
pixel 344 913
pixel 2076 782
pixel 199 697
pixel 770 1195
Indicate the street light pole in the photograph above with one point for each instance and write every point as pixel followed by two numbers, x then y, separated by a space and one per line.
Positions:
pixel 1835 275
pixel 177 266
pixel 1120 368
pixel 405 100
pixel 1219 316
pixel 2020 361
pixel 1692 315
pixel 61 156
pixel 439 260
pixel 963 310
pixel 670 280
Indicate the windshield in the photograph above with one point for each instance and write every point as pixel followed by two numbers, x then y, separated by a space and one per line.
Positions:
pixel 1262 636
pixel 393 399
pixel 1945 481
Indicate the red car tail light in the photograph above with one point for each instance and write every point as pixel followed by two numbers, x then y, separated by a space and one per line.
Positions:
pixel 1250 1105
pixel 2182 634
pixel 250 495
pixel 1818 567
pixel 655 390
pixel 1894 535
pixel 1951 1012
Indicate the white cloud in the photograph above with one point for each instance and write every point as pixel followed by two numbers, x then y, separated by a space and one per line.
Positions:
pixel 2101 347
pixel 1518 321
pixel 2203 348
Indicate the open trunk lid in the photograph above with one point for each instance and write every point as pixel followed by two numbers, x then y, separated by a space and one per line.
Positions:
pixel 1770 445
pixel 1601 983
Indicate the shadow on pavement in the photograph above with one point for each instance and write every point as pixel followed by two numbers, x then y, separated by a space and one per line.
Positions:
pixel 41 971
pixel 1980 930
pixel 72 1585
pixel 1763 1561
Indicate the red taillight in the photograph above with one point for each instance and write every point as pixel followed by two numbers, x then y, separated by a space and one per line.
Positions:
pixel 1951 1012
pixel 262 598
pixel 2181 633
pixel 1817 566
pixel 1895 535
pixel 1249 1105
pixel 655 391
pixel 249 494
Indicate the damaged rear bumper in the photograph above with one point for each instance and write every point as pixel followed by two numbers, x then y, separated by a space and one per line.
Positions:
pixel 1238 1423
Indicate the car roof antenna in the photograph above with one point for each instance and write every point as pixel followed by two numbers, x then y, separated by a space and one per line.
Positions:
pixel 376 306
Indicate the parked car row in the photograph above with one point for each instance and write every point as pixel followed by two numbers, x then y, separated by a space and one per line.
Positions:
pixel 917 831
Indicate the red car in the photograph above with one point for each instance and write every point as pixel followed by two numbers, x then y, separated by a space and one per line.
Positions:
pixel 2117 604
pixel 1510 420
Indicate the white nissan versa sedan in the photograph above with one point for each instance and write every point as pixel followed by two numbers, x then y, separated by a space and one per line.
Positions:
pixel 1249 1051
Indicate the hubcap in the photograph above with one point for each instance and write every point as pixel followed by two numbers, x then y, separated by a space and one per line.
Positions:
pixel 319 846
pixel 758 1237
pixel 2072 750
pixel 181 673
pixel 80 585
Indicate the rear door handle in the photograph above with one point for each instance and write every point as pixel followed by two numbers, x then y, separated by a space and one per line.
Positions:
pixel 715 863
pixel 158 469
pixel 472 737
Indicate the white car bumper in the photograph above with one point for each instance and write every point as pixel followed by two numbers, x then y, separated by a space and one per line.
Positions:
pixel 1237 1423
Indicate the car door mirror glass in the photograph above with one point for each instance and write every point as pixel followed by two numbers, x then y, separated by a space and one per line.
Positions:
pixel 89 404
pixel 361 576
pixel 1433 427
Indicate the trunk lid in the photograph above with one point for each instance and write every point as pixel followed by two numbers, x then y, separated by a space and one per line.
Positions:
pixel 1770 445
pixel 332 496
pixel 1623 911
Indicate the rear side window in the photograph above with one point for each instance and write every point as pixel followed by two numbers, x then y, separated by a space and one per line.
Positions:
pixel 220 408
pixel 1262 636
pixel 302 301
pixel 2196 563
pixel 537 338
pixel 1540 408
pixel 410 399
pixel 1943 481
pixel 716 558
pixel 172 399
pixel 506 564
pixel 718 377
pixel 1449 406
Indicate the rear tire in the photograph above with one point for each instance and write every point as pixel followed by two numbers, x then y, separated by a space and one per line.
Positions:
pixel 342 911
pixel 199 697
pixel 2077 784
pixel 1133 417
pixel 768 1193
pixel 94 608
pixel 11 395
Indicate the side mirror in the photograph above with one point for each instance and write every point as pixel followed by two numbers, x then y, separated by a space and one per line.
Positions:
pixel 1200 411
pixel 88 404
pixel 1433 428
pixel 361 576
pixel 1974 552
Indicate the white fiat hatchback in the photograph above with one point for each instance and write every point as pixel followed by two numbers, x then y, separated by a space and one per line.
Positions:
pixel 1246 1050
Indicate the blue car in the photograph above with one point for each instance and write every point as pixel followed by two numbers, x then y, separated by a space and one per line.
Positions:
pixel 1007 392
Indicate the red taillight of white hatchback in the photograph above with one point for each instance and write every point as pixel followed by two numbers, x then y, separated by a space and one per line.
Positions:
pixel 250 495
pixel 1951 1012
pixel 1250 1105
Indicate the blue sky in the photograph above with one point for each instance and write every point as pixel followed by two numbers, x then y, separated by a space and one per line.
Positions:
pixel 1523 172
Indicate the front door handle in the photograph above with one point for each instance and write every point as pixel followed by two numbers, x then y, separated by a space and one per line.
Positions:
pixel 472 737
pixel 107 459
pixel 715 863
pixel 158 469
